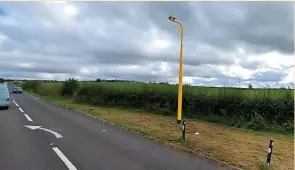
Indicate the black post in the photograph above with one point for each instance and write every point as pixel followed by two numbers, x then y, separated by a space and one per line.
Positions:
pixel 269 151
pixel 183 129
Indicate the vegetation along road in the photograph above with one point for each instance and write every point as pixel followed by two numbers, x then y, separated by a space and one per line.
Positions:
pixel 227 124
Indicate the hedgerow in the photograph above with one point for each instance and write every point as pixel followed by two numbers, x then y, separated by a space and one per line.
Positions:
pixel 267 109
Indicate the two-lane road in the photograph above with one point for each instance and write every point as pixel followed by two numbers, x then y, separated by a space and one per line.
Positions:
pixel 84 142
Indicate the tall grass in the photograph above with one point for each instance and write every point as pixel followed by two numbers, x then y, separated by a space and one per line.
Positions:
pixel 259 109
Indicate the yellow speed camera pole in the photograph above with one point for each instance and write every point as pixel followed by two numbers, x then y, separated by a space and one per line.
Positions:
pixel 180 79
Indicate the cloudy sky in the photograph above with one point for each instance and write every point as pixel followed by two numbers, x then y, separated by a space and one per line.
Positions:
pixel 225 43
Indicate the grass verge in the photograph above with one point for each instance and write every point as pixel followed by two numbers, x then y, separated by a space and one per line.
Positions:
pixel 238 147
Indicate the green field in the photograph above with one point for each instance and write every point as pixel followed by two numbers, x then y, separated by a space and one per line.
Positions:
pixel 258 109
pixel 251 94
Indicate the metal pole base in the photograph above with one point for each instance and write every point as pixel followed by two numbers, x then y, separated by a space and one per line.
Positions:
pixel 178 121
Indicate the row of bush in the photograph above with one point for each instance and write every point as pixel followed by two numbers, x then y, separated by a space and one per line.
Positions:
pixel 234 109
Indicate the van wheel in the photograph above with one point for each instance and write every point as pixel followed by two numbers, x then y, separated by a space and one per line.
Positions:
pixel 6 108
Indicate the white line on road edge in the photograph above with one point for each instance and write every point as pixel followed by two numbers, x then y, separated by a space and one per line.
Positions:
pixel 28 117
pixel 20 109
pixel 64 159
pixel 32 96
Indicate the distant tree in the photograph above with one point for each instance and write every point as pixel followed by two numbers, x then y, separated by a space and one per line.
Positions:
pixel 69 87
pixel 2 80
pixel 250 86
pixel 98 80
pixel 164 82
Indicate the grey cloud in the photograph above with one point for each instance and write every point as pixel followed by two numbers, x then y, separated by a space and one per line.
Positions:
pixel 40 68
pixel 274 26
pixel 251 65
pixel 268 25
pixel 143 73
pixel 129 55
pixel 204 71
pixel 107 33
pixel 122 57
pixel 268 76
pixel 220 82
pixel 258 26
pixel 17 75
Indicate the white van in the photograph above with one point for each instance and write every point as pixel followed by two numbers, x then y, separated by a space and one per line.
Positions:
pixel 4 96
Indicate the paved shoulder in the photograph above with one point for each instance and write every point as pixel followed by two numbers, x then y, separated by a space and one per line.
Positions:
pixel 92 144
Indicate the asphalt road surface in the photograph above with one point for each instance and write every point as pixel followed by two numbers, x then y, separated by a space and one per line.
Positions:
pixel 38 135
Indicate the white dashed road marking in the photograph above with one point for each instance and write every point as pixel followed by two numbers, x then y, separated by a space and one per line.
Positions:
pixel 21 110
pixel 16 104
pixel 28 117
pixel 64 159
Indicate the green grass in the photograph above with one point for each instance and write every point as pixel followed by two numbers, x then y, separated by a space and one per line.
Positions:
pixel 209 91
pixel 264 166
pixel 259 109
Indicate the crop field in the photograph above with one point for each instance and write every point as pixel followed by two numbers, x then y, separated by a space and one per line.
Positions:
pixel 250 94
pixel 258 109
